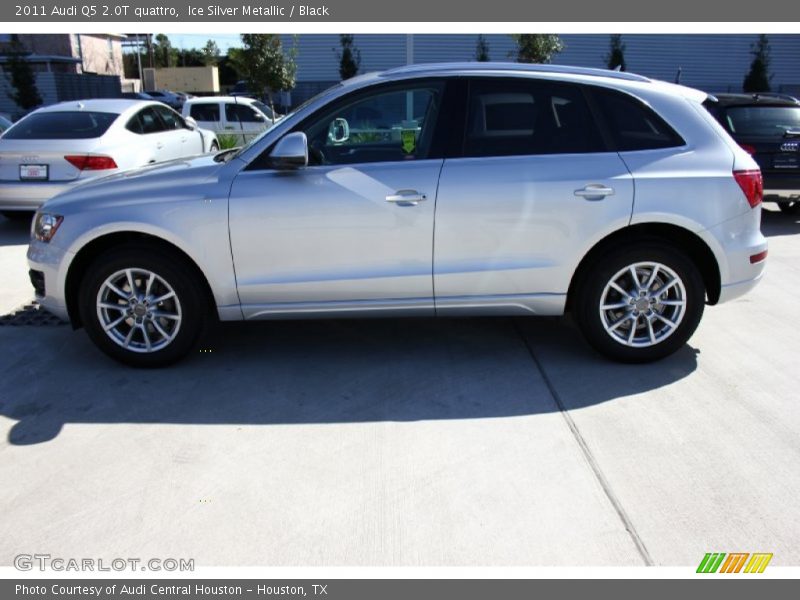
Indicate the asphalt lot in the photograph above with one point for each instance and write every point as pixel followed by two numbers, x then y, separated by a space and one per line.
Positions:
pixel 408 442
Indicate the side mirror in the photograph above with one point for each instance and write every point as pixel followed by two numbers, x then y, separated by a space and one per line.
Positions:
pixel 291 152
pixel 190 123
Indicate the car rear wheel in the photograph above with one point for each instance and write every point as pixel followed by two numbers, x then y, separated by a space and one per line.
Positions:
pixel 142 308
pixel 214 147
pixel 790 208
pixel 640 303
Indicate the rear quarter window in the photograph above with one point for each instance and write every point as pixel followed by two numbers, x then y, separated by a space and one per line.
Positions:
pixel 632 124
pixel 61 125
pixel 206 111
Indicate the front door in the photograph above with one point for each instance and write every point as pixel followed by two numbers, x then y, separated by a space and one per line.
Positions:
pixel 352 232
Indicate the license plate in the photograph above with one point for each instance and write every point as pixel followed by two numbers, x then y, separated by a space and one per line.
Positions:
pixel 34 172
pixel 786 161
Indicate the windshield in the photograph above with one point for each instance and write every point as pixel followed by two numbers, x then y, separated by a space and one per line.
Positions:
pixel 61 125
pixel 763 120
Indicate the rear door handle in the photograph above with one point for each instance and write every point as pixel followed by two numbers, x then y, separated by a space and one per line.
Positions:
pixel 594 191
pixel 406 198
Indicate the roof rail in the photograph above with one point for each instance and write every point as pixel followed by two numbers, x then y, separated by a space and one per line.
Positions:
pixel 511 66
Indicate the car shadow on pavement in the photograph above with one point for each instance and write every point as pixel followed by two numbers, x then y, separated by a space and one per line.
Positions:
pixel 775 223
pixel 14 232
pixel 316 372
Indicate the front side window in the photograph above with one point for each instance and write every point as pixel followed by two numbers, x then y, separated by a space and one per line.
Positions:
pixel 387 125
pixel 526 117
pixel 146 121
pixel 242 113
pixel 170 118
pixel 632 124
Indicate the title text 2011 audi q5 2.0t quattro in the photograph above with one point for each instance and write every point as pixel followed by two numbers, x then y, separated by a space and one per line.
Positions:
pixel 458 189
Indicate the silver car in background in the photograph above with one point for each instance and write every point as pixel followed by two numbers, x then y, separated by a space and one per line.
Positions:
pixel 57 147
pixel 429 190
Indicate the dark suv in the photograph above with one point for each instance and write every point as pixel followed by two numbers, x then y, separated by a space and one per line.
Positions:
pixel 768 127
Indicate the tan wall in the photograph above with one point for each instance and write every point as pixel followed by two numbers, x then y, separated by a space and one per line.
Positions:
pixel 186 79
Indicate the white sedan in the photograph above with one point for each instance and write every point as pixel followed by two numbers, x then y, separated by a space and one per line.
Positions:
pixel 57 147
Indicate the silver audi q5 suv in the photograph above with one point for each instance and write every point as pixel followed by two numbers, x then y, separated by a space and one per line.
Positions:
pixel 452 189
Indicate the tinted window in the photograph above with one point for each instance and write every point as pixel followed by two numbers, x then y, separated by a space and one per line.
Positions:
pixel 762 120
pixel 61 125
pixel 632 124
pixel 518 117
pixel 263 108
pixel 381 126
pixel 171 119
pixel 146 121
pixel 243 113
pixel 205 112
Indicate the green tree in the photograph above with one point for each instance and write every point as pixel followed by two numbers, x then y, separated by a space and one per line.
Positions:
pixel 211 53
pixel 264 65
pixel 482 50
pixel 537 47
pixel 616 55
pixel 757 80
pixel 349 57
pixel 20 75
pixel 165 55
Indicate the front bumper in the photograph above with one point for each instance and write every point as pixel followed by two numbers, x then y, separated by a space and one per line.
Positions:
pixel 50 264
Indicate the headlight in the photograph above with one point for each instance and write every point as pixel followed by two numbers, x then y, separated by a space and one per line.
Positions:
pixel 45 226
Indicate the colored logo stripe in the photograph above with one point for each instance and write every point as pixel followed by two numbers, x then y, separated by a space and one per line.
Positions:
pixel 734 562
pixel 711 562
pixel 758 562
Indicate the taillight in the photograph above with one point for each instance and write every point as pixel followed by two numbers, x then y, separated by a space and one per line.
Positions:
pixel 752 185
pixel 91 162
pixel 748 148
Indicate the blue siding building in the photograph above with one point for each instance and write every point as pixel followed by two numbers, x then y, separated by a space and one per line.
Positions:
pixel 711 62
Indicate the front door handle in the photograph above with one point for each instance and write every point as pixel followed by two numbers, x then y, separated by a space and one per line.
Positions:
pixel 406 198
pixel 594 191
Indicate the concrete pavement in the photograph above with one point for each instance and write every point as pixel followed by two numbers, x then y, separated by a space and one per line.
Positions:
pixel 408 442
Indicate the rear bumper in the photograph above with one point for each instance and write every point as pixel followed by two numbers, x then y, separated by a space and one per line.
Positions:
pixel 30 195
pixel 735 243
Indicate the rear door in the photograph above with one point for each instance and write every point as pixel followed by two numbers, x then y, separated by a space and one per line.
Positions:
pixel 179 140
pixel 534 185
pixel 207 115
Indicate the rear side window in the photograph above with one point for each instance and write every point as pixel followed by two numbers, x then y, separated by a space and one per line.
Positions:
pixel 633 125
pixel 205 112
pixel 241 112
pixel 522 117
pixel 61 125
pixel 170 117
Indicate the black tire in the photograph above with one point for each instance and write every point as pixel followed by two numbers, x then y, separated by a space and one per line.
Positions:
pixel 589 292
pixel 194 306
pixel 214 147
pixel 789 208
pixel 17 215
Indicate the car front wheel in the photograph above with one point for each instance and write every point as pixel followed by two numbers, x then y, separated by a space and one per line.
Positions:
pixel 141 307
pixel 640 303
